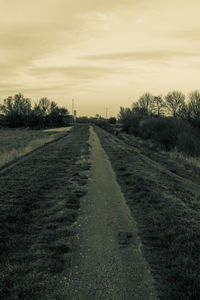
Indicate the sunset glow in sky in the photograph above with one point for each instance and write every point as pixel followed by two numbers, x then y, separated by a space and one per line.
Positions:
pixel 102 53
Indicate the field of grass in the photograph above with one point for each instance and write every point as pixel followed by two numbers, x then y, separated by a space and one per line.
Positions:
pixel 163 193
pixel 39 203
pixel 17 142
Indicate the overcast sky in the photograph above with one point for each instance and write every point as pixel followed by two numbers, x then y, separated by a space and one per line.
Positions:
pixel 102 53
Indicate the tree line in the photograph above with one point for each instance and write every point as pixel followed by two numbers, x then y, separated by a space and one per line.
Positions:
pixel 171 120
pixel 173 104
pixel 19 111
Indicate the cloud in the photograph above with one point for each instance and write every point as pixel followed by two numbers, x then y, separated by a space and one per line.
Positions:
pixel 55 79
pixel 140 55
pixel 189 35
pixel 42 88
pixel 99 5
pixel 72 71
pixel 23 42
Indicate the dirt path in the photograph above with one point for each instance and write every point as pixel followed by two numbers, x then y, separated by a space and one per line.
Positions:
pixel 59 129
pixel 107 262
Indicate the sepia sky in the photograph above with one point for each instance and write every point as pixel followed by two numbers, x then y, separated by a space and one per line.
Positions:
pixel 102 53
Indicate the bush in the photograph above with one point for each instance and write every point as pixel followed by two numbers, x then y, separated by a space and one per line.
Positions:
pixel 170 133
pixel 104 124
pixel 147 120
pixel 112 120
pixel 131 119
pixel 188 142
pixel 161 130
pixel 146 128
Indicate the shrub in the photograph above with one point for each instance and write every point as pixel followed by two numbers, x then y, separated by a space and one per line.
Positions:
pixel 170 133
pixel 146 128
pixel 112 120
pixel 188 142
pixel 161 130
pixel 172 123
pixel 104 124
pixel 125 117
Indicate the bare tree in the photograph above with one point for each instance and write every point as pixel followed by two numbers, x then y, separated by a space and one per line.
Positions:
pixel 124 113
pixel 17 109
pixel 194 105
pixel 44 106
pixel 175 103
pixel 158 105
pixel 146 103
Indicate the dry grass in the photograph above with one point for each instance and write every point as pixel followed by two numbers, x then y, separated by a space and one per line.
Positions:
pixel 193 162
pixel 39 202
pixel 163 194
pixel 15 143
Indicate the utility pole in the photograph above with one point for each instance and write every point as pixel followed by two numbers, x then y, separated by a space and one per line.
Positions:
pixel 72 110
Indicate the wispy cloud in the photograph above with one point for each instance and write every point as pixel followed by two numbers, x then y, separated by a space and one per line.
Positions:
pixel 140 55
pixel 49 79
pixel 189 35
pixel 22 43
pixel 79 72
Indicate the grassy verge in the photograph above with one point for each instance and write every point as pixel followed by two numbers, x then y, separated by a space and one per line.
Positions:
pixel 39 202
pixel 18 142
pixel 165 201
pixel 176 162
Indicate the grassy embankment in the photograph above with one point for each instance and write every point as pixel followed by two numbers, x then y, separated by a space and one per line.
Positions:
pixel 18 142
pixel 163 194
pixel 39 201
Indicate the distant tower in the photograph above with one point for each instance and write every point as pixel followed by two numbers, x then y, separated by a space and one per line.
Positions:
pixel 74 116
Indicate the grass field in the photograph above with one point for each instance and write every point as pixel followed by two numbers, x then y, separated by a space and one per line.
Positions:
pixel 163 193
pixel 17 142
pixel 39 202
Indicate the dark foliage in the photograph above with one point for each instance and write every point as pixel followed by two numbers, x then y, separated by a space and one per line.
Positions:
pixel 162 130
pixel 83 119
pixel 104 124
pixel 112 120
pixel 19 112
pixel 171 123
